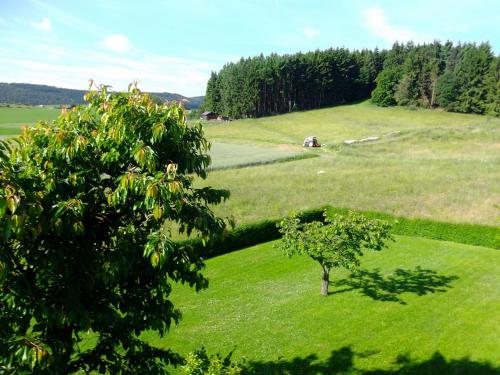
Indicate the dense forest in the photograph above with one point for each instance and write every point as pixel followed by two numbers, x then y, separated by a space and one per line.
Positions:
pixel 460 78
pixel 463 78
pixel 30 94
pixel 261 86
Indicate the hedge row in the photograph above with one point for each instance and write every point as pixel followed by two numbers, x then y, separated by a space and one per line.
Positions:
pixel 248 235
pixel 266 230
pixel 469 234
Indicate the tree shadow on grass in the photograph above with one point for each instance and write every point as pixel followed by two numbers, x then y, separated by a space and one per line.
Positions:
pixel 341 361
pixel 373 284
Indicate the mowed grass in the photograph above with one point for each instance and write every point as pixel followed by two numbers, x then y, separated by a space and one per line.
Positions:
pixel 231 155
pixel 12 118
pixel 426 164
pixel 431 305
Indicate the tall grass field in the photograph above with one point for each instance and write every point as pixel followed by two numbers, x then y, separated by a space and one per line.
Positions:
pixel 425 164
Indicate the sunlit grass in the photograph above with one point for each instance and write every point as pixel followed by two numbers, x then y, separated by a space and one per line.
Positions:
pixel 416 298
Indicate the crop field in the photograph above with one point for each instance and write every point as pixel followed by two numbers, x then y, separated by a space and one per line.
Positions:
pixel 12 118
pixel 426 163
pixel 422 306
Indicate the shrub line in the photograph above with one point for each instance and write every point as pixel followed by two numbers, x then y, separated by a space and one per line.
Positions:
pixel 252 234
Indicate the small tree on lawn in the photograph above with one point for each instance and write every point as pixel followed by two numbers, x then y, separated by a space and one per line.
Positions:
pixel 87 204
pixel 337 243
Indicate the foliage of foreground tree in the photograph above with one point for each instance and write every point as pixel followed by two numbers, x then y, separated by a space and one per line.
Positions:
pixel 199 363
pixel 337 243
pixel 87 204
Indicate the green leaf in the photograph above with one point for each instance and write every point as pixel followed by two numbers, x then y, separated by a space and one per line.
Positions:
pixel 155 259
pixel 3 206
pixel 157 212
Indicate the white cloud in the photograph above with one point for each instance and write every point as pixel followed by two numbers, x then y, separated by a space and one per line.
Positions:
pixel 43 25
pixel 117 43
pixel 154 72
pixel 310 32
pixel 376 22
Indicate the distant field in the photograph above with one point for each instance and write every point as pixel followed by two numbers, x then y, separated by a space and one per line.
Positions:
pixel 12 118
pixel 439 165
pixel 415 300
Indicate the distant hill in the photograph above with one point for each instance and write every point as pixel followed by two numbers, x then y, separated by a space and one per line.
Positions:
pixel 30 94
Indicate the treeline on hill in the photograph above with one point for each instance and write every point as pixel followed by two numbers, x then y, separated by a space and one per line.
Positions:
pixel 462 78
pixel 265 85
pixel 31 94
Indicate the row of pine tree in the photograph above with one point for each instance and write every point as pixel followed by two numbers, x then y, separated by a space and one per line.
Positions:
pixel 461 78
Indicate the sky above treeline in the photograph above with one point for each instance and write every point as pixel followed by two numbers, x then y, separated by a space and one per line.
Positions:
pixel 174 45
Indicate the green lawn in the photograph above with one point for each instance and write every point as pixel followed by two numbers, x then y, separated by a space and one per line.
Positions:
pixel 426 164
pixel 12 118
pixel 433 306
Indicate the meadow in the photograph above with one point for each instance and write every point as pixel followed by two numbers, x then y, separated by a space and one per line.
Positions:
pixel 425 164
pixel 230 155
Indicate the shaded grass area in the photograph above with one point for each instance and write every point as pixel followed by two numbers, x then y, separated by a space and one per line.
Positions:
pixel 341 361
pixel 421 305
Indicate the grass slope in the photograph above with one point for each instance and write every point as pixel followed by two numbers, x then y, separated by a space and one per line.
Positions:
pixel 336 124
pixel 433 305
pixel 442 166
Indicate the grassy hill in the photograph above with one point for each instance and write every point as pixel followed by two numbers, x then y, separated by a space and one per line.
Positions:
pixel 426 163
pixel 421 306
pixel 30 94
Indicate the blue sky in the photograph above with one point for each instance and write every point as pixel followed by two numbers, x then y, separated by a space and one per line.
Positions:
pixel 174 45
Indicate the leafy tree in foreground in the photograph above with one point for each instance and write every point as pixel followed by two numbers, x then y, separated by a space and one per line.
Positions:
pixel 338 243
pixel 199 363
pixel 87 204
